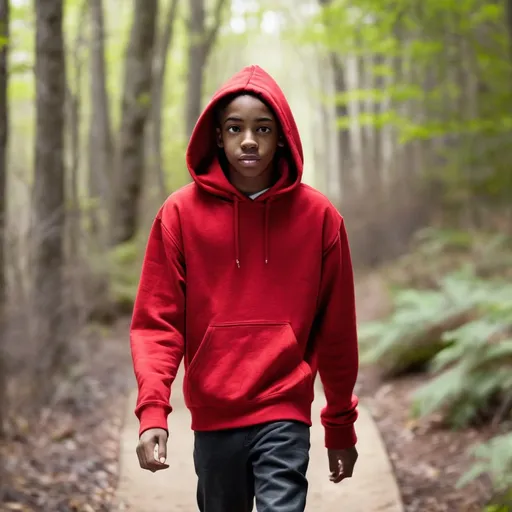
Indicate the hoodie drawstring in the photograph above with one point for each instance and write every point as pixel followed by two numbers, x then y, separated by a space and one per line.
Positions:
pixel 237 231
pixel 267 214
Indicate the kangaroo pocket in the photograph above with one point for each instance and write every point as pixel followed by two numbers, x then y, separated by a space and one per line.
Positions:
pixel 245 362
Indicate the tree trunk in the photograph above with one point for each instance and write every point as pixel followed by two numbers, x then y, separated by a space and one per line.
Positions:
pixel 361 135
pixel 100 134
pixel 328 130
pixel 48 193
pixel 135 111
pixel 375 174
pixel 74 254
pixel 347 178
pixel 157 96
pixel 508 21
pixel 345 157
pixel 201 40
pixel 196 63
pixel 4 132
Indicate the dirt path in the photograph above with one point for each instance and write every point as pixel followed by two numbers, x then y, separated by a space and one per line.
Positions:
pixel 372 489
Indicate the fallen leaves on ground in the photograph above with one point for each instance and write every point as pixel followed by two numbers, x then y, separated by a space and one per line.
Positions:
pixel 68 462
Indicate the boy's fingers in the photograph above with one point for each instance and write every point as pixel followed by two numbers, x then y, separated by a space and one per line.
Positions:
pixel 149 456
pixel 334 465
pixel 348 463
pixel 341 464
pixel 338 478
pixel 348 471
pixel 149 452
pixel 334 468
pixel 141 456
pixel 152 452
pixel 162 449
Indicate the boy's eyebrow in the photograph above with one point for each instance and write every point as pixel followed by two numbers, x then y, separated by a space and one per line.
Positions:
pixel 262 119
pixel 233 118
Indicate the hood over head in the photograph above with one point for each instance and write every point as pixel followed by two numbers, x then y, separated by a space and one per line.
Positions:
pixel 202 152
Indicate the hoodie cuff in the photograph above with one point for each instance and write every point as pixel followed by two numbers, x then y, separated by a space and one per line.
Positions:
pixel 340 438
pixel 153 416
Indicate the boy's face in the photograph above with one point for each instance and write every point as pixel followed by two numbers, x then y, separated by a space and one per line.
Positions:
pixel 249 133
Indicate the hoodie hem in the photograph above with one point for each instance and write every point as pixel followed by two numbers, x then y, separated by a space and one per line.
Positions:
pixel 213 418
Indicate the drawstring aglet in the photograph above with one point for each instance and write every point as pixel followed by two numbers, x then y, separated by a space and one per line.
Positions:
pixel 238 263
pixel 266 261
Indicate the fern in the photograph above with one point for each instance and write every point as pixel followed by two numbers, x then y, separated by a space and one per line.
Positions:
pixel 413 335
pixel 462 331
pixel 468 342
pixel 476 364
pixel 494 459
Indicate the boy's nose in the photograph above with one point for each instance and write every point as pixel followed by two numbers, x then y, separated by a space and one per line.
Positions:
pixel 249 142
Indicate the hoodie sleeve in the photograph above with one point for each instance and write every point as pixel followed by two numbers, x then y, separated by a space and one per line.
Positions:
pixel 156 332
pixel 337 348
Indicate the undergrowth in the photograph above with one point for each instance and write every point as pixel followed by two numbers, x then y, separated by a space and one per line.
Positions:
pixel 124 263
pixel 458 329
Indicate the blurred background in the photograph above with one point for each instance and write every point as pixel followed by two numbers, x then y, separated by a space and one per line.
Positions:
pixel 405 112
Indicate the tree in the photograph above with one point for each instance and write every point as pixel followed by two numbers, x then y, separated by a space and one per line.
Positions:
pixel 73 139
pixel 157 95
pixel 134 114
pixel 100 134
pixel 48 221
pixel 4 132
pixel 200 43
pixel 508 13
pixel 345 157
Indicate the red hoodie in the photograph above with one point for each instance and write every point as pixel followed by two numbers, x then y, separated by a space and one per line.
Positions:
pixel 257 295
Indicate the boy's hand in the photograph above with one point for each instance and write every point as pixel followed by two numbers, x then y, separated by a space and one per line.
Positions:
pixel 147 446
pixel 341 463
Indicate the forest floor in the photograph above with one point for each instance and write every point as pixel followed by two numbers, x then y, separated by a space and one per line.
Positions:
pixel 70 462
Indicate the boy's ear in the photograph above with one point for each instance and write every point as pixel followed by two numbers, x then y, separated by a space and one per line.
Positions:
pixel 218 135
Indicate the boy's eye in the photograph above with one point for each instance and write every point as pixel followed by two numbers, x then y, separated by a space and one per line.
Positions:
pixel 237 129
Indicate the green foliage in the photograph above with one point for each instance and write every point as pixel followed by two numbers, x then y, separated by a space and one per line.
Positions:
pixel 494 459
pixel 447 72
pixel 435 241
pixel 473 369
pixel 124 263
pixel 436 252
pixel 176 172
pixel 499 508
pixel 470 360
pixel 413 334
pixel 463 330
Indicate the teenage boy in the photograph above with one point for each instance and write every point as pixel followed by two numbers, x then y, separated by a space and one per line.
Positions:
pixel 248 277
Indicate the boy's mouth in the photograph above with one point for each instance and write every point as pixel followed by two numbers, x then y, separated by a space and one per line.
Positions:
pixel 249 160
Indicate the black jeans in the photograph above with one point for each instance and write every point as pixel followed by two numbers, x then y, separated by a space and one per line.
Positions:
pixel 267 462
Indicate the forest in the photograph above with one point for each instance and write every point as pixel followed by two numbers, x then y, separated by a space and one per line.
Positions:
pixel 404 110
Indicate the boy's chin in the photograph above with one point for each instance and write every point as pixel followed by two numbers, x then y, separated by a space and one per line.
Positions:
pixel 250 173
